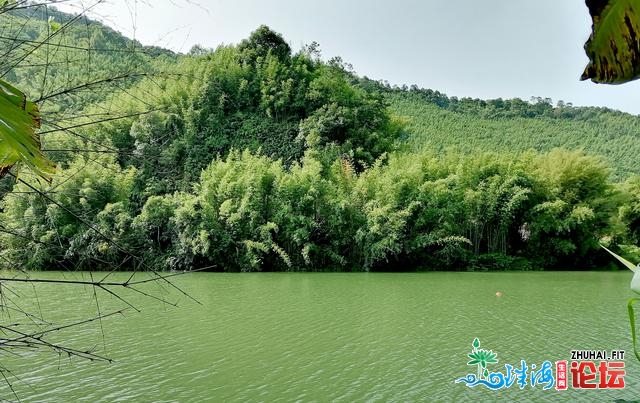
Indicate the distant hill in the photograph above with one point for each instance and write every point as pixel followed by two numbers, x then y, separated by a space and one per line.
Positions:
pixel 440 122
pixel 70 59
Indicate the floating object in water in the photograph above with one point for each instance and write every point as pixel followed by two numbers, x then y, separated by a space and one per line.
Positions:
pixel 499 294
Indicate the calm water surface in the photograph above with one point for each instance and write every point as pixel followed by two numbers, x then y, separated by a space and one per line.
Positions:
pixel 327 337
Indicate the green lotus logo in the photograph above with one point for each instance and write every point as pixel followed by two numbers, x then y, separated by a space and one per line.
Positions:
pixel 481 358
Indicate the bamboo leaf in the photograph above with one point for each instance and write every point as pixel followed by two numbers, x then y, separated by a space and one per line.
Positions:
pixel 614 45
pixel 632 322
pixel 635 282
pixel 622 260
pixel 19 142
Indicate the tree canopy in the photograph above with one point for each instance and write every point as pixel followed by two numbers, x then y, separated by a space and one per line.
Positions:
pixel 254 157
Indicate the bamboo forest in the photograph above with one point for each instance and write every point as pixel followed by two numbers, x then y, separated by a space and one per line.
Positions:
pixel 255 157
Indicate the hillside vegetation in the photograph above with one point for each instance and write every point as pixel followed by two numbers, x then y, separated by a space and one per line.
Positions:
pixel 253 157
pixel 438 122
pixel 70 60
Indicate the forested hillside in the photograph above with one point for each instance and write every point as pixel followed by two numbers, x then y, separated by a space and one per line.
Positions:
pixel 436 121
pixel 66 64
pixel 257 157
pixel 67 59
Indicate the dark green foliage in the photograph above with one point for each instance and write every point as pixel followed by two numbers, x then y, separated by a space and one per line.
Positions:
pixel 256 96
pixel 262 43
pixel 629 213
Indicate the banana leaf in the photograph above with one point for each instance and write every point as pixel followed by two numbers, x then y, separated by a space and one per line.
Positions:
pixel 19 142
pixel 614 45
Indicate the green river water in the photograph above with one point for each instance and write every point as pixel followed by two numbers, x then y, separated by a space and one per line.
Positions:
pixel 325 337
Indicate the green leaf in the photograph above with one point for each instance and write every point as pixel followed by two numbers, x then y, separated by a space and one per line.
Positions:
pixel 614 45
pixel 18 140
pixel 7 4
pixel 476 343
pixel 53 25
pixel 632 322
pixel 622 260
pixel 635 282
pixel 482 357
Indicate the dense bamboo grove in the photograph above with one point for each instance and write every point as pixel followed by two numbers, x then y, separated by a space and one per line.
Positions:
pixel 250 212
pixel 255 158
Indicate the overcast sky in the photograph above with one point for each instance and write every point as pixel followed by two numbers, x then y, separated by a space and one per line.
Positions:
pixel 480 49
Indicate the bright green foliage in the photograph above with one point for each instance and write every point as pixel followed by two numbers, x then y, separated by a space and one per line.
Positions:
pixel 350 117
pixel 61 231
pixel 53 24
pixel 248 212
pixel 438 122
pixel 64 64
pixel 256 158
pixel 237 197
pixel 262 43
pixel 18 140
pixel 573 207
